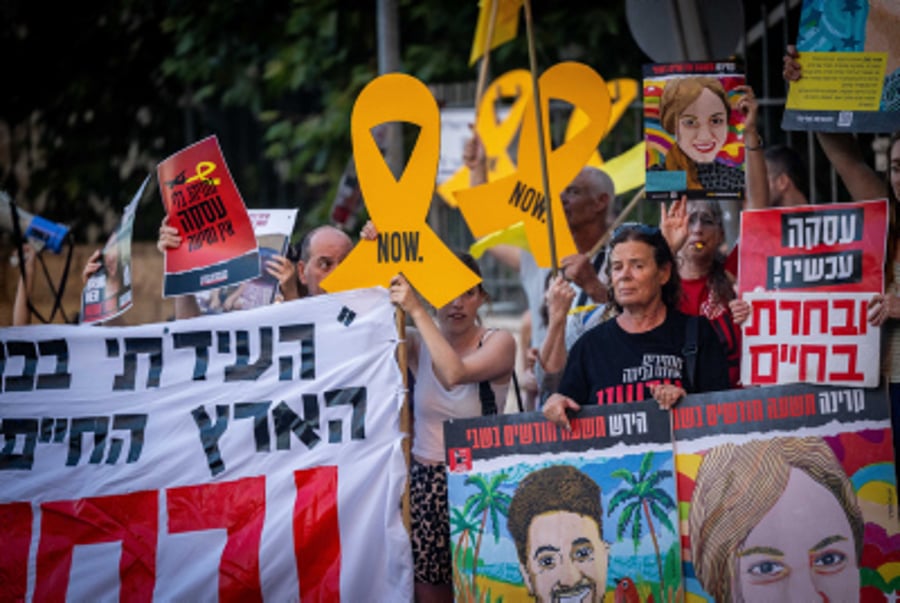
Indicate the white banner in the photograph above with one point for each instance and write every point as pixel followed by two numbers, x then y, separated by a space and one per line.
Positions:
pixel 246 456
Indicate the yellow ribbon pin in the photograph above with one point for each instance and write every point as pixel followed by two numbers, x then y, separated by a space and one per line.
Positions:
pixel 398 208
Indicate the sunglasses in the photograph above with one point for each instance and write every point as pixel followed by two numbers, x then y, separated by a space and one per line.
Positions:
pixel 644 229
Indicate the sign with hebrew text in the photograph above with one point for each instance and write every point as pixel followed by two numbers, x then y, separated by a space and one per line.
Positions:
pixel 541 513
pixel 221 458
pixel 809 273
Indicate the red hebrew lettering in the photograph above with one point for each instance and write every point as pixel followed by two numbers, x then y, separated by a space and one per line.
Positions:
pixel 817 351
pixel 849 326
pixel 240 508
pixel 863 317
pixel 317 536
pixel 767 305
pixel 129 518
pixel 509 435
pixel 16 521
pixel 852 373
pixel 815 305
pixel 757 352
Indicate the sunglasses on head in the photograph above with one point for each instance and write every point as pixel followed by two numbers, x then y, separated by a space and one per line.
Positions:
pixel 644 229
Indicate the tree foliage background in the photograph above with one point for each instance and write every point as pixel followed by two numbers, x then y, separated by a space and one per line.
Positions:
pixel 97 94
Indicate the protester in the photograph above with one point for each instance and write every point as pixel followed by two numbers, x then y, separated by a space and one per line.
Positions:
pixel 788 186
pixel 321 250
pixel 461 369
pixel 863 183
pixel 642 352
pixel 706 288
pixel 588 206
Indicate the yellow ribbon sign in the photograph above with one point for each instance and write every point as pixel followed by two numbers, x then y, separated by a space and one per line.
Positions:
pixel 204 169
pixel 497 135
pixel 518 197
pixel 398 208
pixel 622 92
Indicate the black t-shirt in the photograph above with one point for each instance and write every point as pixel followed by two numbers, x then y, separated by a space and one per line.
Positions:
pixel 608 365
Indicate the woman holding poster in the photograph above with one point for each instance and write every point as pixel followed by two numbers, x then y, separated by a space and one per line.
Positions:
pixel 461 369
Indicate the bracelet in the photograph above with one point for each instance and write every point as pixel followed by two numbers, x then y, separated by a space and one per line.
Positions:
pixel 760 145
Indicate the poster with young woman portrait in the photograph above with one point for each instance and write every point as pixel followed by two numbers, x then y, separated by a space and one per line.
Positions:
pixel 787 493
pixel 537 513
pixel 693 130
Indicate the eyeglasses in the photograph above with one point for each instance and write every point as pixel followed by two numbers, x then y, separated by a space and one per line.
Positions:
pixel 644 229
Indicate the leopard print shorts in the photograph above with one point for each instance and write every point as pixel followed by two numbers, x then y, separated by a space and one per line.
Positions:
pixel 430 520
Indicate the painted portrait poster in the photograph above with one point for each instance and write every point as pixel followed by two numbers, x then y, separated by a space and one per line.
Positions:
pixel 204 204
pixel 787 493
pixel 538 513
pixel 693 130
pixel 809 273
pixel 107 293
pixel 273 228
pixel 850 57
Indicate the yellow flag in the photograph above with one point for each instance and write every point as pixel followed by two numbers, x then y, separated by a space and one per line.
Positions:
pixel 506 25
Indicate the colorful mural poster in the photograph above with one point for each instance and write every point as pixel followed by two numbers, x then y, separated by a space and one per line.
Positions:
pixel 273 228
pixel 808 273
pixel 539 513
pixel 693 130
pixel 850 57
pixel 107 293
pixel 787 493
pixel 203 203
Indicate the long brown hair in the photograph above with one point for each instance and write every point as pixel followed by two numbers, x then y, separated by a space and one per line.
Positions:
pixel 676 97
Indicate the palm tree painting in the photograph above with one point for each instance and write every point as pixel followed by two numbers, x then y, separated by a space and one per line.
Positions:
pixel 464 526
pixel 489 502
pixel 643 500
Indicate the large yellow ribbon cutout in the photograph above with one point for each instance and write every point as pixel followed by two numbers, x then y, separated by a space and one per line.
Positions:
pixel 398 208
pixel 496 135
pixel 519 197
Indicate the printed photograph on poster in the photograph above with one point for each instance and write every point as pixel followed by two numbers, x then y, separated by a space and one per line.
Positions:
pixel 849 56
pixel 273 228
pixel 537 513
pixel 693 130
pixel 202 201
pixel 107 293
pixel 808 274
pixel 812 471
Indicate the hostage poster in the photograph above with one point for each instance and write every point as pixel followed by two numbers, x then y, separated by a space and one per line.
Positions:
pixel 787 493
pixel 539 513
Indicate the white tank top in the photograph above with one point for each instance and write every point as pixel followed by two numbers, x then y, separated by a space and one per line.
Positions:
pixel 434 404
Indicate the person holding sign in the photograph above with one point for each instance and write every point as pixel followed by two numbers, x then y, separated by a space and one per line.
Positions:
pixel 796 534
pixel 650 349
pixel 461 370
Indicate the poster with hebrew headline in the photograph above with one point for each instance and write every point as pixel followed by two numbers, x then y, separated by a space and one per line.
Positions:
pixel 539 513
pixel 787 493
pixel 809 273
